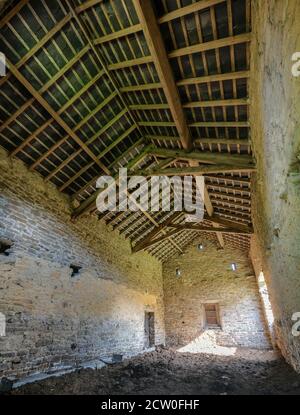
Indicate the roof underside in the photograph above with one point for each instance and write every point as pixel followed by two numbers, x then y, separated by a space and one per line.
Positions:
pixel 82 98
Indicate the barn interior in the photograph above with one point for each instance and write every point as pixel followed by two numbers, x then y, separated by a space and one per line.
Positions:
pixel 134 300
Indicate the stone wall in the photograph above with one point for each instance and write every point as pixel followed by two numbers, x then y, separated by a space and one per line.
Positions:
pixel 54 319
pixel 275 131
pixel 207 277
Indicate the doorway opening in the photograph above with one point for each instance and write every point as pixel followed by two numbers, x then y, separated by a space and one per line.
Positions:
pixel 149 330
pixel 212 315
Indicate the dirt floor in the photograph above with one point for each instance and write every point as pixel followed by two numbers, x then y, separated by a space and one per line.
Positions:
pixel 169 372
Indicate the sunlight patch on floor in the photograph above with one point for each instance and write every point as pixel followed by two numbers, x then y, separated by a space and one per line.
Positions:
pixel 207 343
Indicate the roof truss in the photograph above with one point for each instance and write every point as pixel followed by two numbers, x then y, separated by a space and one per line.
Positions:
pixel 96 82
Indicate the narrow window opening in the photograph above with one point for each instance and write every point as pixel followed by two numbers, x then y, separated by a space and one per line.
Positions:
pixel 264 293
pixel 149 330
pixel 5 247
pixel 200 247
pixel 117 358
pixel 75 270
pixel 212 315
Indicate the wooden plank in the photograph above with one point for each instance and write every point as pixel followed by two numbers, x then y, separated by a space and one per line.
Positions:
pixel 100 155
pixel 162 238
pixel 142 87
pixel 228 223
pixel 116 35
pixel 221 124
pixel 230 179
pixel 202 156
pixel 213 124
pixel 90 202
pixel 179 228
pixel 213 44
pixel 195 104
pixel 230 76
pixel 217 103
pixel 117 141
pixel 228 188
pixel 44 40
pixel 15 10
pixel 197 228
pixel 209 207
pixel 132 62
pixel 88 142
pixel 49 122
pixel 86 5
pixel 30 101
pixel 224 203
pixel 39 45
pixel 196 171
pixel 141 244
pixel 54 115
pixel 222 196
pixel 207 140
pixel 192 8
pixel 158 52
pixel 92 183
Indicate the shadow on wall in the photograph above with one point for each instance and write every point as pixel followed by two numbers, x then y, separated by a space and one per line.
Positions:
pixel 208 343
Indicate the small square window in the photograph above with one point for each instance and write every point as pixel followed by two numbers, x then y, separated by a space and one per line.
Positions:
pixel 75 270
pixel 212 315
pixel 5 247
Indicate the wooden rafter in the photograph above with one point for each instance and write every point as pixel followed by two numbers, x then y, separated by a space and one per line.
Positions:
pixel 182 11
pixel 230 76
pixel 195 104
pixel 167 235
pixel 195 171
pixel 54 78
pixel 15 10
pixel 179 228
pixel 201 124
pixel 203 156
pixel 217 120
pixel 39 45
pixel 151 235
pixel 197 141
pixel 198 228
pixel 54 114
pixel 187 50
pixel 214 44
pixel 159 55
pixel 192 8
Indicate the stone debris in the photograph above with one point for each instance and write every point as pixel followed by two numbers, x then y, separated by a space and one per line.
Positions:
pixel 167 371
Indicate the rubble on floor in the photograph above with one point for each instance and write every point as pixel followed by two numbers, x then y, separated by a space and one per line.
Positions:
pixel 167 371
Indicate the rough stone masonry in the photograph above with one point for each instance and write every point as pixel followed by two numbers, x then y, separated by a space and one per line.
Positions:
pixel 275 132
pixel 206 277
pixel 56 319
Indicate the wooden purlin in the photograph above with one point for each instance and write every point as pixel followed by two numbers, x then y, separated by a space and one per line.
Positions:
pixel 213 100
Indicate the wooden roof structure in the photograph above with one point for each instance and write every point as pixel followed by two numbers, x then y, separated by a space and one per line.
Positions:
pixel 157 86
